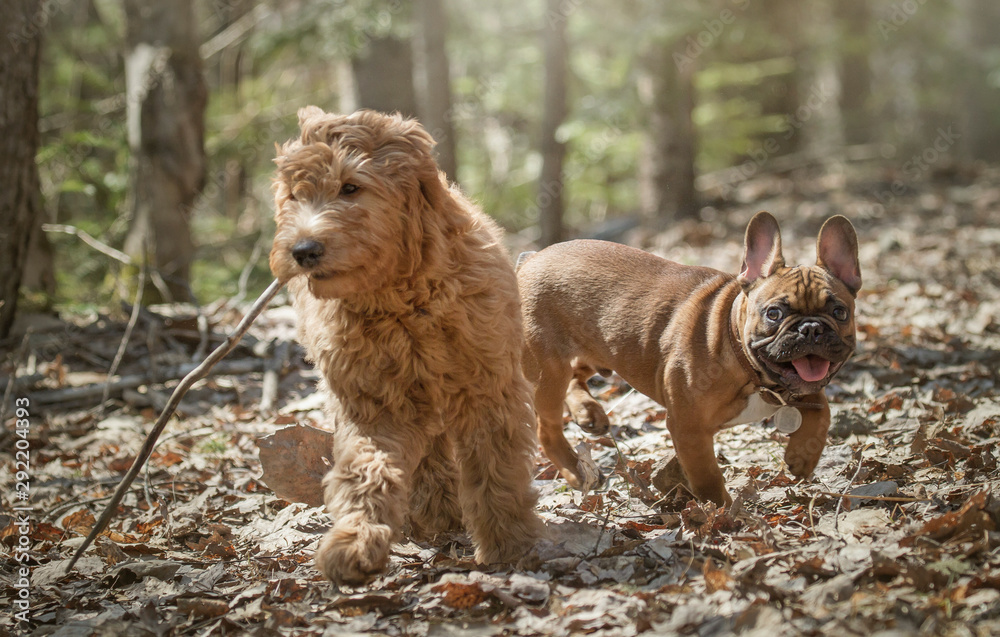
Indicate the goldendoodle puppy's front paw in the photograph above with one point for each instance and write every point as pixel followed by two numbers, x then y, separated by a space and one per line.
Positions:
pixel 517 538
pixel 354 550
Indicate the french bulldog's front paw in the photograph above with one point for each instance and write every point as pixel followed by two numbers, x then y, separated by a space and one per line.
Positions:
pixel 354 550
pixel 586 475
pixel 802 455
pixel 720 496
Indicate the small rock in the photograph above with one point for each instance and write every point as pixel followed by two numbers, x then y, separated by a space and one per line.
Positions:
pixel 886 488
pixel 667 473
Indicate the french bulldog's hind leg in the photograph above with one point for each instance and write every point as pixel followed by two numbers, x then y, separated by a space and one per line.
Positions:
pixel 583 408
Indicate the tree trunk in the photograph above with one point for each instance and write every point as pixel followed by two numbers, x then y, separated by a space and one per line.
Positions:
pixel 20 203
pixel 383 76
pixel 979 113
pixel 779 95
pixel 550 187
pixel 855 21
pixel 818 113
pixel 667 169
pixel 166 99
pixel 230 68
pixel 39 276
pixel 433 80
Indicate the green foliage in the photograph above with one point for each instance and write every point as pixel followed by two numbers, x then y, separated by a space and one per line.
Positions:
pixel 749 58
pixel 83 156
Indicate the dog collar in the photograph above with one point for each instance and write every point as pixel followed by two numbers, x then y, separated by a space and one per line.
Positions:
pixel 742 357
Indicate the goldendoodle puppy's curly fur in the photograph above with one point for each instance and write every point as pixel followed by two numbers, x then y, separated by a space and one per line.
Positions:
pixel 407 302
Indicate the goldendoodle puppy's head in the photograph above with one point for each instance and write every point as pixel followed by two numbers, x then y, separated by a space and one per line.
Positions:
pixel 354 196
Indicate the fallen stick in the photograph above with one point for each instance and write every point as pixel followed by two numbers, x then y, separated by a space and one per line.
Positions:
pixel 117 255
pixel 877 498
pixel 116 385
pixel 147 446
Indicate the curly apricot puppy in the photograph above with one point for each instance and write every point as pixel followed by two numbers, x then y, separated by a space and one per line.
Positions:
pixel 407 302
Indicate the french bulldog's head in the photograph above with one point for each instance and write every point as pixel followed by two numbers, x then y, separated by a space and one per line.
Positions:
pixel 799 327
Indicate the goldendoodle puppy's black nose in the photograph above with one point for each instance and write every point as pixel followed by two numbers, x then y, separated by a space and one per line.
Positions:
pixel 307 252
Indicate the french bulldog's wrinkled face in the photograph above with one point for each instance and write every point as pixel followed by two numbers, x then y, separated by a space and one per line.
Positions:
pixel 800 321
pixel 800 327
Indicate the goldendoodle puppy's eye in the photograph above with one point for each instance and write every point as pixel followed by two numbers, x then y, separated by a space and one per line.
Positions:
pixel 349 189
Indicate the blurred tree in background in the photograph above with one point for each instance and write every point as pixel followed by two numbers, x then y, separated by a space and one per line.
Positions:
pixel 19 202
pixel 165 115
pixel 665 109
pixel 555 49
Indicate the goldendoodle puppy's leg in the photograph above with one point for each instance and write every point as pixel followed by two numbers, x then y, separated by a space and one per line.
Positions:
pixel 434 506
pixel 366 494
pixel 495 449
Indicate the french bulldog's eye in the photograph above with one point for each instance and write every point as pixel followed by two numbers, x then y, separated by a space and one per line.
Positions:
pixel 774 314
pixel 840 313
pixel 349 189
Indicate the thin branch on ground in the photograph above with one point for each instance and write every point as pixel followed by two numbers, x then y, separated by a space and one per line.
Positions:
pixel 840 501
pixel 147 447
pixel 162 375
pixel 117 255
pixel 123 345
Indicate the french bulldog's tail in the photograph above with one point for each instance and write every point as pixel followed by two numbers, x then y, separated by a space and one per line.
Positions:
pixel 522 259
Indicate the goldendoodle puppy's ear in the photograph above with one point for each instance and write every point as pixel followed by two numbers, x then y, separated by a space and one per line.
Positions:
pixel 281 151
pixel 409 143
pixel 436 193
pixel 309 117
pixel 307 113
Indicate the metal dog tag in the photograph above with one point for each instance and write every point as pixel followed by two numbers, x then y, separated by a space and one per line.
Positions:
pixel 787 419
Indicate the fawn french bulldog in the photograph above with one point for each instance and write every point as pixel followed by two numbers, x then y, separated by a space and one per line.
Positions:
pixel 714 349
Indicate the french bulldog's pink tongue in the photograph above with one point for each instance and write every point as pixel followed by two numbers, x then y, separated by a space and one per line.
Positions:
pixel 811 368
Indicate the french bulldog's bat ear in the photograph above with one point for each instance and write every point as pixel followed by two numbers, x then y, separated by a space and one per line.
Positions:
pixel 762 249
pixel 837 251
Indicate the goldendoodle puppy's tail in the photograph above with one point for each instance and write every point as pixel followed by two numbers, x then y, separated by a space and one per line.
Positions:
pixel 522 259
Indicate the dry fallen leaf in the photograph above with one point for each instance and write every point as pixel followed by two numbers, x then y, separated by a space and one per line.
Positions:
pixel 973 519
pixel 716 579
pixel 294 460
pixel 461 595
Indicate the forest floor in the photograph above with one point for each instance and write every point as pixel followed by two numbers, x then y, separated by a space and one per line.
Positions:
pixel 897 533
